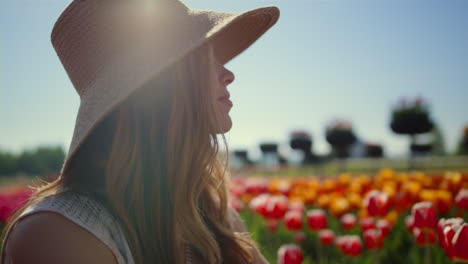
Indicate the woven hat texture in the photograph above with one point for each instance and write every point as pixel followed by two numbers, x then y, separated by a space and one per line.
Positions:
pixel 110 48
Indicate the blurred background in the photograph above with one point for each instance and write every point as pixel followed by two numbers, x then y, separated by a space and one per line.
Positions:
pixel 337 87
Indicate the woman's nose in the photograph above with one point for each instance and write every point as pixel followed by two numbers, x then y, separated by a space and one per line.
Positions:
pixel 228 76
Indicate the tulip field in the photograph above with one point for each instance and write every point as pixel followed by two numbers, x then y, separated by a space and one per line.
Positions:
pixel 389 217
pixel 386 217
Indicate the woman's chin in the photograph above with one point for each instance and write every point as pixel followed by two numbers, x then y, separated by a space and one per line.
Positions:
pixel 225 127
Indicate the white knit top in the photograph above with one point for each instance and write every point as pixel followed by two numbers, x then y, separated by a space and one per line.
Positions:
pixel 93 217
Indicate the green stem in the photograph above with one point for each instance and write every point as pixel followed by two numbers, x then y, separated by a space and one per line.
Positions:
pixel 327 255
pixel 427 252
pixel 376 256
pixel 319 254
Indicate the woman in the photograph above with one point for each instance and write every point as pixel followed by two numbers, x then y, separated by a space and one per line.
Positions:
pixel 142 181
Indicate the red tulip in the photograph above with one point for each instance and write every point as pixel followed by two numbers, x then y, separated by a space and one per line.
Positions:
pixel 460 242
pixel 461 200
pixel 299 237
pixel 293 220
pixel 409 222
pixel 350 245
pixel 317 219
pixel 276 207
pixel 348 221
pixel 366 223
pixel 258 204
pixel 424 237
pixel 236 203
pixel 272 224
pixel 296 206
pixel 424 215
pixel 326 236
pixel 376 203
pixel 256 186
pixel 444 243
pixel 454 239
pixel 290 254
pixel 12 200
pixel 236 190
pixel 373 239
pixel 384 226
pixel 340 242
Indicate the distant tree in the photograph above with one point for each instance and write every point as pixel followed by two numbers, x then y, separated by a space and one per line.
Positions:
pixel 270 153
pixel 242 155
pixel 373 150
pixel 42 160
pixel 462 148
pixel 339 134
pixel 8 163
pixel 421 148
pixel 302 141
pixel 412 118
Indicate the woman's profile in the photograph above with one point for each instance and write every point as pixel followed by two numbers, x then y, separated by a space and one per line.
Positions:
pixel 142 181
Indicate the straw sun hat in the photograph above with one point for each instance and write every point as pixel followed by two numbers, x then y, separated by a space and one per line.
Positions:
pixel 110 48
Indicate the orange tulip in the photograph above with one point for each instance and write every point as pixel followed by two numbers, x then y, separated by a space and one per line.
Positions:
pixel 339 206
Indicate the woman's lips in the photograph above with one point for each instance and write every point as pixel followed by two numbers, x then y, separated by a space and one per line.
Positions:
pixel 226 101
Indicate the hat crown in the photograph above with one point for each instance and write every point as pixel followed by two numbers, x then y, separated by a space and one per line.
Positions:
pixel 89 34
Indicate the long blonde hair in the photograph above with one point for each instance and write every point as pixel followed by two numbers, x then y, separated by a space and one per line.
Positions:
pixel 154 163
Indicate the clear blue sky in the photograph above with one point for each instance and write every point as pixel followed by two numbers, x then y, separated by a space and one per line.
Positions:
pixel 323 59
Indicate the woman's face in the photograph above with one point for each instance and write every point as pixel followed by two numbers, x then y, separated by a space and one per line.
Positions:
pixel 223 104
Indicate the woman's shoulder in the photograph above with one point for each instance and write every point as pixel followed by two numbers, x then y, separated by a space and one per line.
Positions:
pixel 234 219
pixel 48 237
pixel 71 217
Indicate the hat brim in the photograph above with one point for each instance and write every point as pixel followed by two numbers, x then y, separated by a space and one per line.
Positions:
pixel 230 34
pixel 238 32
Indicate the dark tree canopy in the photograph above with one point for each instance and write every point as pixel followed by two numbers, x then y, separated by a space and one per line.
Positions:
pixel 462 148
pixel 374 150
pixel 302 141
pixel 242 155
pixel 271 148
pixel 340 135
pixel 39 161
pixel 410 118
